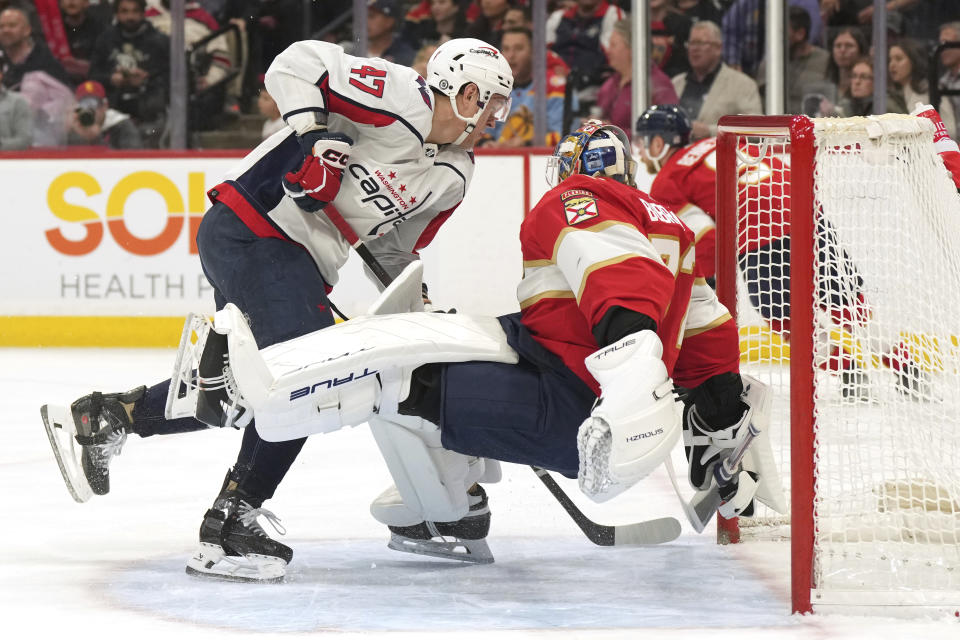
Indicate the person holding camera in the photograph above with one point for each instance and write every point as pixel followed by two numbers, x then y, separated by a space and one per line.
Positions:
pixel 96 124
pixel 16 118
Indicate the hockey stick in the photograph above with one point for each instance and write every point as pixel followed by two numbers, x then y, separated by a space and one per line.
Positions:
pixel 639 533
pixel 706 502
pixel 650 532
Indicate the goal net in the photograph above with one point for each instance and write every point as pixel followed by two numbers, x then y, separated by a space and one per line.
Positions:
pixel 838 244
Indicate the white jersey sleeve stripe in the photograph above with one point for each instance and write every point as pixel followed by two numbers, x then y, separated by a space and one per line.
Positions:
pixel 542 282
pixel 705 311
pixel 580 251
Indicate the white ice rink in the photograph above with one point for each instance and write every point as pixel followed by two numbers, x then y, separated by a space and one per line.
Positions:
pixel 113 568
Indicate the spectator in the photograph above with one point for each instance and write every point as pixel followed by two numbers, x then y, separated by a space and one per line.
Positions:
pixel 421 12
pixel 712 89
pixel 842 13
pixel 96 124
pixel 131 59
pixel 806 66
pixel 744 32
pixel 423 56
pixel 812 7
pixel 16 118
pixel 446 21
pixel 908 81
pixel 950 59
pixel 23 53
pixel 489 25
pixel 671 29
pixel 518 16
pixel 82 27
pixel 269 110
pixel 517 131
pixel 848 46
pixel 860 101
pixel 382 41
pixel 615 98
pixel 579 35
pixel 208 66
pixel 698 10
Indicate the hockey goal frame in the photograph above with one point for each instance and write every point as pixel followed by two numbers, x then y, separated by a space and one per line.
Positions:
pixel 798 131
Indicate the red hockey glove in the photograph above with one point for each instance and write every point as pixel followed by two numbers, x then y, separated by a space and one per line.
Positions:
pixel 317 181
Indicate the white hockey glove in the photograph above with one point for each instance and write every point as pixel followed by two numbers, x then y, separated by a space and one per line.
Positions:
pixel 317 181
pixel 635 422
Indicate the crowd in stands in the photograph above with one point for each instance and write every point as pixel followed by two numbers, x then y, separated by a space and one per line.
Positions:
pixel 96 72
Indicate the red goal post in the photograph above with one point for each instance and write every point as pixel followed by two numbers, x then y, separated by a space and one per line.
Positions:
pixel 837 245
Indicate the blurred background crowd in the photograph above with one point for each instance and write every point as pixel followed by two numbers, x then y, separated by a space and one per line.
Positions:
pixel 97 73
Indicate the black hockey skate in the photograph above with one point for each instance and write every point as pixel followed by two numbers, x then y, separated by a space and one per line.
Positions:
pixel 233 545
pixel 855 385
pixel 912 383
pixel 463 540
pixel 86 438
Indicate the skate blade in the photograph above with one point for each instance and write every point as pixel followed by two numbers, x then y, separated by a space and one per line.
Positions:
pixel 58 423
pixel 470 551
pixel 211 563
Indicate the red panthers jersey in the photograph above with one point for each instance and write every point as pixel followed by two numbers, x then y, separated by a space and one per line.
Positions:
pixel 687 183
pixel 593 243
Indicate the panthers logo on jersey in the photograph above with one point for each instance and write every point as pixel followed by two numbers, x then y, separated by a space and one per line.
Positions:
pixel 579 205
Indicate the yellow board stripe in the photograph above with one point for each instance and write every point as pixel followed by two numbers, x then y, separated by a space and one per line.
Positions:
pixel 90 331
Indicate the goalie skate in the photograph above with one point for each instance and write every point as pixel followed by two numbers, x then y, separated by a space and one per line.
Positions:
pixel 463 540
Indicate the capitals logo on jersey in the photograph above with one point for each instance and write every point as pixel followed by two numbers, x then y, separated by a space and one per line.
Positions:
pixel 579 205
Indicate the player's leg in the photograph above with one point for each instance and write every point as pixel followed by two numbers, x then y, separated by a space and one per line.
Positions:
pixel 526 413
pixel 87 435
pixel 277 286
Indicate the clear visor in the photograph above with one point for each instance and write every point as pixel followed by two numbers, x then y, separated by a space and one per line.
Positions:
pixel 499 107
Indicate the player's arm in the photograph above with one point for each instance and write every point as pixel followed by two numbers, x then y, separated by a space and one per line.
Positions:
pixel 945 145
pixel 623 288
pixel 304 104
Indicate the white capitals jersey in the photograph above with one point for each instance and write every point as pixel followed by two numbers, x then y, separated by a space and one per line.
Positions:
pixel 396 189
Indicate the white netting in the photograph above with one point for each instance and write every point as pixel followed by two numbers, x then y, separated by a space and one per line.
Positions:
pixel 886 349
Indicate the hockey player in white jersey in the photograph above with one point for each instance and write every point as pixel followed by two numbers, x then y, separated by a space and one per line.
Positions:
pixel 368 144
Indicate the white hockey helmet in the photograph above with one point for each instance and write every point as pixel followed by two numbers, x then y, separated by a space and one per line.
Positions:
pixel 461 61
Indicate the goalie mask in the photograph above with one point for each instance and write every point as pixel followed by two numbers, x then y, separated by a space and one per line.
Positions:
pixel 462 61
pixel 596 150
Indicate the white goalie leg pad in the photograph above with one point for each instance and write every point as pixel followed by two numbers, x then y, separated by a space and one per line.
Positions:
pixel 759 457
pixel 636 422
pixel 328 379
pixel 431 481
pixel 405 293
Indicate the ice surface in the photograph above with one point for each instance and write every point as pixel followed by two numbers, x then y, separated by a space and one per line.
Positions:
pixel 113 568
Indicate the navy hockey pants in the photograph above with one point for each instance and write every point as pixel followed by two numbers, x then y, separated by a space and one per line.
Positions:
pixel 277 285
pixel 527 413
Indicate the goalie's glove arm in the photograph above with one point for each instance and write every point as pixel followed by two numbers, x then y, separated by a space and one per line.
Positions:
pixel 718 401
pixel 619 322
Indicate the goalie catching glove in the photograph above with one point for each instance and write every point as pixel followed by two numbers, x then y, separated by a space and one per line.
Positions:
pixel 317 182
pixel 636 421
